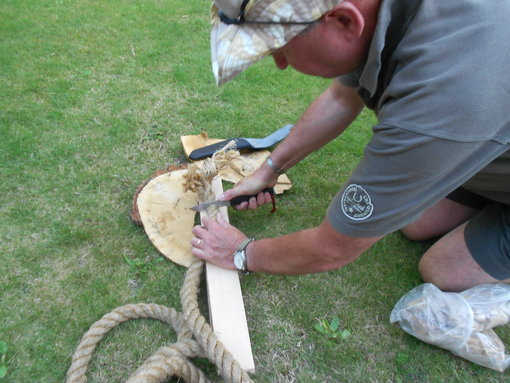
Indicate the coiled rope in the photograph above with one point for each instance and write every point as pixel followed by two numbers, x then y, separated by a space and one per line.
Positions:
pixel 171 360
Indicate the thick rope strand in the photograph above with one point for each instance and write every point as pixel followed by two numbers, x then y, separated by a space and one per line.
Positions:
pixel 228 367
pixel 170 360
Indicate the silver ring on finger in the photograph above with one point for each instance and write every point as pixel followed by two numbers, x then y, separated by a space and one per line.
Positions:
pixel 199 243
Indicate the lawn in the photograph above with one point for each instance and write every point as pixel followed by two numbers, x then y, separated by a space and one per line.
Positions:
pixel 94 96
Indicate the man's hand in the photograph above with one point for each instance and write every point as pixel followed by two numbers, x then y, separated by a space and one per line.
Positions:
pixel 252 184
pixel 216 241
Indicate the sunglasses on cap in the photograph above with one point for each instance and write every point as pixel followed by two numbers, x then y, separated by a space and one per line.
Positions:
pixel 241 19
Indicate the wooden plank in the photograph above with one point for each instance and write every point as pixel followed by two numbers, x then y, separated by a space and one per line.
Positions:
pixel 226 306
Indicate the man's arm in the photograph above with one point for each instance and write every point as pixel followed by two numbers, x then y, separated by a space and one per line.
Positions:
pixel 307 251
pixel 311 250
pixel 327 117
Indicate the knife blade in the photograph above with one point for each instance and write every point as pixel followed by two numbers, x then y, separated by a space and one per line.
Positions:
pixel 243 143
pixel 233 202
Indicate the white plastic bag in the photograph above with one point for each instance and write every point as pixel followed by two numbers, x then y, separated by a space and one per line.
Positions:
pixel 459 322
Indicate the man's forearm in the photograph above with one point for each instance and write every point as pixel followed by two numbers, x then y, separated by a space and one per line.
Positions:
pixel 307 251
pixel 327 117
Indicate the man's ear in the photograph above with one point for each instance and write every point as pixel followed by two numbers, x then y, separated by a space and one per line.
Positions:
pixel 348 18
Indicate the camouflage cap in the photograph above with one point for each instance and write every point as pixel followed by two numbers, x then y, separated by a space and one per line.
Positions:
pixel 246 31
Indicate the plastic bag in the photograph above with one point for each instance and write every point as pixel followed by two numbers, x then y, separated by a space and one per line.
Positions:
pixel 459 322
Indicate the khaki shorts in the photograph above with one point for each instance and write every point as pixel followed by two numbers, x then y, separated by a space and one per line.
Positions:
pixel 487 234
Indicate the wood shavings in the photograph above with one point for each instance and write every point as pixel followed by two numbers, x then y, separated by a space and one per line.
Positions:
pixel 201 173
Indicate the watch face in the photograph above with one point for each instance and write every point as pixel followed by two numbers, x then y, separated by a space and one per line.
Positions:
pixel 238 261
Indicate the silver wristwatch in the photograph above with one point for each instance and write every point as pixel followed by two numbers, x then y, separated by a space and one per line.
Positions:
pixel 240 259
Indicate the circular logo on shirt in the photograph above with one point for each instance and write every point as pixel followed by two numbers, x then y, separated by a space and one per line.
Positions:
pixel 356 203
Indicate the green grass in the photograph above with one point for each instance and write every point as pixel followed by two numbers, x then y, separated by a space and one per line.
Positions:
pixel 94 96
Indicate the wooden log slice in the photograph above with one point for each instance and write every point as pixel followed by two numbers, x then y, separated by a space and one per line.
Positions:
pixel 164 210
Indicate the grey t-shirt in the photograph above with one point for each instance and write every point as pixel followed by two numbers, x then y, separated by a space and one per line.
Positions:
pixel 443 111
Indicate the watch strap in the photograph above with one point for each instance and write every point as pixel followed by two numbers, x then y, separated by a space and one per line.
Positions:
pixel 241 248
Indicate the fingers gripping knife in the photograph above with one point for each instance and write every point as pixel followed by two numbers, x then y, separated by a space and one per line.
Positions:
pixel 233 202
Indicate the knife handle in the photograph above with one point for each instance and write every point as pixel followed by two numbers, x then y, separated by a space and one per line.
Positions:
pixel 237 200
pixel 209 150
